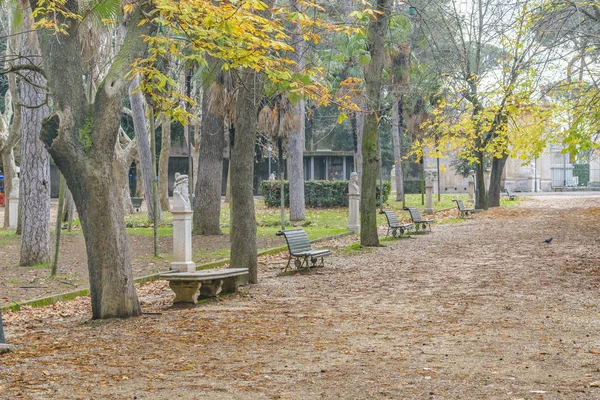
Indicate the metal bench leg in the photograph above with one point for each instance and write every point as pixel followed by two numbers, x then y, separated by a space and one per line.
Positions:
pixel 288 264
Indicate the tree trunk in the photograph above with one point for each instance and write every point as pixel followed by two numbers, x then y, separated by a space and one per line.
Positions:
pixel 139 187
pixel 81 138
pixel 140 127
pixel 123 158
pixel 35 160
pixel 397 152
pixel 163 164
pixel 207 211
pixel 373 81
pixel 10 171
pixel 495 179
pixel 481 197
pixel 243 220
pixel 358 123
pixel 10 132
pixel 296 137
pixel 58 226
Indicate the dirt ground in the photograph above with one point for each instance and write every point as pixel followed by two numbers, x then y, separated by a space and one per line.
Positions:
pixel 483 309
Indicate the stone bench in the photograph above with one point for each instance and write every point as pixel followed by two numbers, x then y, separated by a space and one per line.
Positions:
pixel 211 282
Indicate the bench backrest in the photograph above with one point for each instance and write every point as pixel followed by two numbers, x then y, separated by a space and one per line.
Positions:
pixel 392 218
pixel 414 214
pixel 297 240
pixel 460 205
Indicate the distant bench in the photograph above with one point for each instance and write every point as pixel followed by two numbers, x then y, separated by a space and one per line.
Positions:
pixel 394 224
pixel 511 196
pixel 136 202
pixel 417 220
pixel 299 248
pixel 464 211
pixel 211 282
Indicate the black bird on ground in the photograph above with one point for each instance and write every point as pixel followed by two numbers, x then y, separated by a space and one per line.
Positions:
pixel 548 240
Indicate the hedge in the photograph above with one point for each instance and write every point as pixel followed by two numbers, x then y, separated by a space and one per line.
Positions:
pixel 412 187
pixel 316 193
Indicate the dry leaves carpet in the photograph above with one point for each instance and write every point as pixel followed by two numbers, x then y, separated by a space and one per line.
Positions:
pixel 483 309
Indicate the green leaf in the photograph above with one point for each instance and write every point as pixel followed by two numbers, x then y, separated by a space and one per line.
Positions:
pixel 105 9
pixel 341 118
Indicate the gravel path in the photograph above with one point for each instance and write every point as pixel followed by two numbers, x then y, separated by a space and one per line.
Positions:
pixel 484 309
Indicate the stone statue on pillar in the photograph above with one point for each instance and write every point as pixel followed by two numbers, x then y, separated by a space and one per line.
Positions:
pixel 429 180
pixel 181 192
pixel 471 186
pixel 182 226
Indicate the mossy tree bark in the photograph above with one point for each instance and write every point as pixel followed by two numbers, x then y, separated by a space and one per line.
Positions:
pixel 81 138
pixel 398 130
pixel 373 81
pixel 243 219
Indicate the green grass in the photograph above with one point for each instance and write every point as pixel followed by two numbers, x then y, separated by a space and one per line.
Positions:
pixel 40 266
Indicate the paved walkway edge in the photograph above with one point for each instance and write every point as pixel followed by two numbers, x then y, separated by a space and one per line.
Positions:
pixel 46 301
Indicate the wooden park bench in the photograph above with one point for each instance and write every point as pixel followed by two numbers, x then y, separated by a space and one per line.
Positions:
pixel 464 211
pixel 510 196
pixel 211 282
pixel 419 222
pixel 137 203
pixel 301 250
pixel 394 225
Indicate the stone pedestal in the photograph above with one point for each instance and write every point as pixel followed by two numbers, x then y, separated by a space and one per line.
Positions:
pixel 182 241
pixel 210 289
pixel 182 227
pixel 13 212
pixel 428 199
pixel 185 291
pixel 471 188
pixel 429 193
pixel 354 203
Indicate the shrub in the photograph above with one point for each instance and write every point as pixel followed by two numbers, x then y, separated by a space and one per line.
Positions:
pixel 316 193
pixel 412 187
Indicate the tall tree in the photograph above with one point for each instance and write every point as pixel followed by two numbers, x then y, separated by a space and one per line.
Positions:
pixel 243 219
pixel 373 82
pixel 296 137
pixel 207 210
pixel 489 59
pixel 35 160
pixel 140 126
pixel 81 138
pixel 400 85
pixel 163 163
pixel 125 153
pixel 10 132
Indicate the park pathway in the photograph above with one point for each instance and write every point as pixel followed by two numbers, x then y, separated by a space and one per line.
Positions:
pixel 484 309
